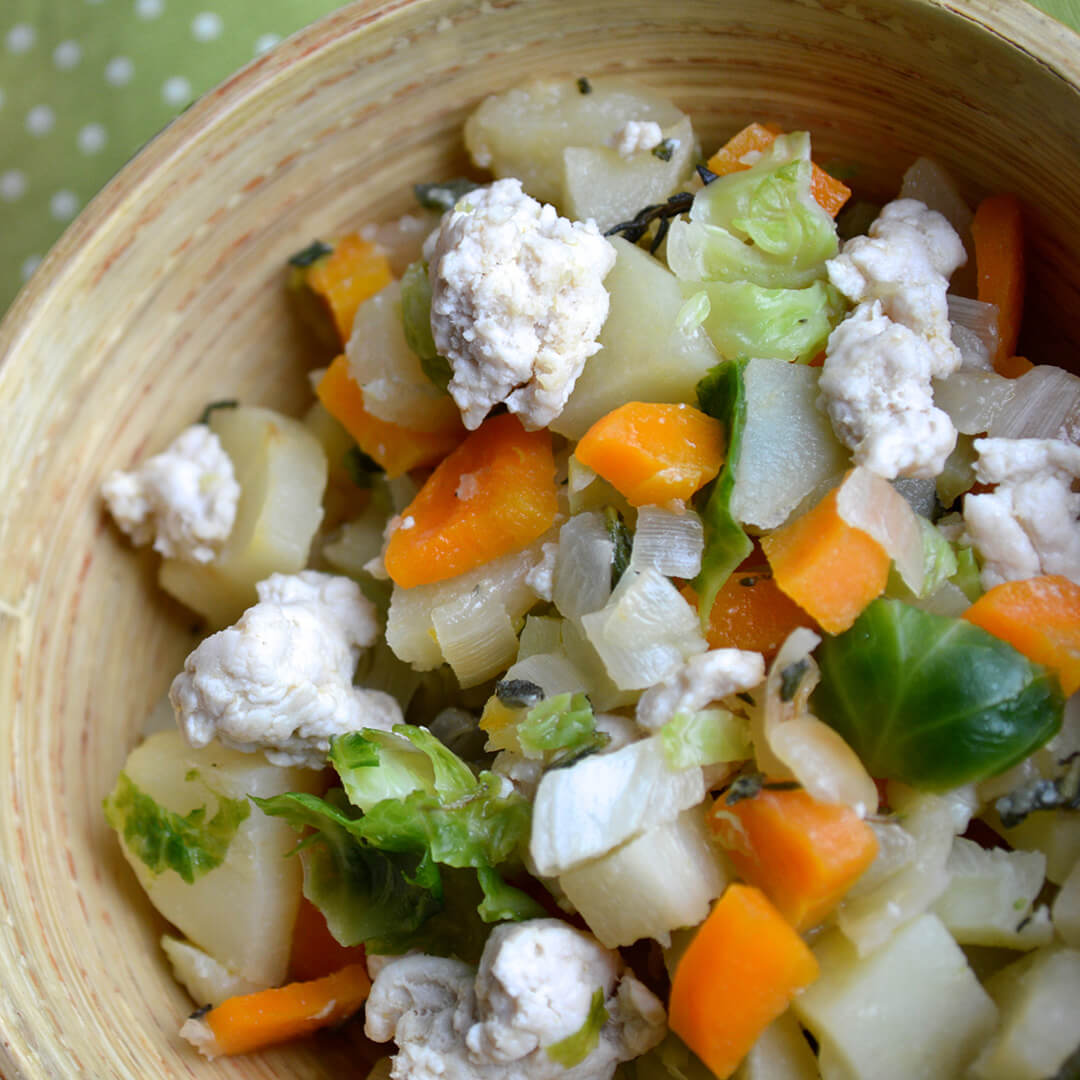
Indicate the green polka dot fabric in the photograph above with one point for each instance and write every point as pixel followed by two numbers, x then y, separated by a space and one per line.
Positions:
pixel 85 83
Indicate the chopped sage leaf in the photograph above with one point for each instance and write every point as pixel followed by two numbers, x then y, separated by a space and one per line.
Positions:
pixel 663 150
pixel 620 536
pixel 1060 793
pixel 745 786
pixel 310 255
pixel 227 403
pixel 519 693
pixel 189 844
pixel 574 1049
pixel 361 468
pixel 790 678
pixel 584 86
pixel 444 194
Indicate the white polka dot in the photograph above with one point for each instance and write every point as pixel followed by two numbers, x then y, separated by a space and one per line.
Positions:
pixel 119 71
pixel 91 138
pixel 149 9
pixel 20 38
pixel 67 55
pixel 64 205
pixel 265 43
pixel 176 91
pixel 29 266
pixel 40 120
pixel 12 185
pixel 207 26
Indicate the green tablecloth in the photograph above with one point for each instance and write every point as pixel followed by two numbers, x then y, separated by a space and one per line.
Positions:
pixel 84 83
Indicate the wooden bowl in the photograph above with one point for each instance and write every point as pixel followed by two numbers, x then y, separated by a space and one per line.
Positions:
pixel 167 293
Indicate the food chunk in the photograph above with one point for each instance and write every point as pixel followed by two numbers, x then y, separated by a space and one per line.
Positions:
pixel 517 302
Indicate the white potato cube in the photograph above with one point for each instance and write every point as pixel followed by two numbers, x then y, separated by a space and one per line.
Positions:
pixel 241 912
pixel 911 1008
pixel 1066 909
pixel 205 979
pixel 1039 999
pixel 990 896
pixel 660 881
pixel 781 1053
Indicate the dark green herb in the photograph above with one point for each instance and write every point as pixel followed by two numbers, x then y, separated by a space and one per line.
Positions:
pixel 315 251
pixel 634 229
pixel 745 786
pixel 437 369
pixel 663 150
pixel 416 322
pixel 444 194
pixel 227 403
pixel 932 701
pixel 745 697
pixel 584 86
pixel 707 175
pixel 623 540
pixel 519 693
pixel 574 1049
pixel 790 678
pixel 1070 1067
pixel 1059 793
pixel 749 582
pixel 189 844
pixel 362 469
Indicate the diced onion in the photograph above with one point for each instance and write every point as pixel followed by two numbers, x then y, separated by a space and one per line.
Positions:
pixel 866 501
pixel 974 330
pixel 583 565
pixel 1045 405
pixel 552 672
pixel 476 636
pixel 540 634
pixel 602 691
pixel 790 742
pixel 896 849
pixel 973 399
pixel 645 631
pixel 670 543
pixel 930 183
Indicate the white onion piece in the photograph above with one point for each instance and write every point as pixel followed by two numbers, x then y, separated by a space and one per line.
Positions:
pixel 973 399
pixel 583 565
pixel 974 331
pixel 645 631
pixel 869 919
pixel 552 672
pixel 930 183
pixel 540 634
pixel 671 543
pixel 476 636
pixel 602 691
pixel 868 502
pixel 896 849
pixel 1045 405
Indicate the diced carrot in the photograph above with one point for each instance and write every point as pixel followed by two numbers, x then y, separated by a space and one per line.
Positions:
pixel 332 287
pixel 1012 367
pixel 998 233
pixel 739 973
pixel 803 854
pixel 750 612
pixel 315 951
pixel 829 568
pixel 1039 617
pixel 253 1021
pixel 492 495
pixel 829 192
pixel 653 452
pixel 397 449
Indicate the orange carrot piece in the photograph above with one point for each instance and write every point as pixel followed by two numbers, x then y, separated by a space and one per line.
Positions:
pixel 1012 367
pixel 998 233
pixel 315 952
pixel 492 495
pixel 829 568
pixel 803 854
pixel 739 973
pixel 750 612
pixel 829 192
pixel 653 452
pixel 1039 617
pixel 397 449
pixel 334 286
pixel 250 1022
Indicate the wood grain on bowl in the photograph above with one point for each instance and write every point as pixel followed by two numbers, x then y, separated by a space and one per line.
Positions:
pixel 168 293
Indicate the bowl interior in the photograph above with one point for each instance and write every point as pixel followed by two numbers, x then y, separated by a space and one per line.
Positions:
pixel 168 293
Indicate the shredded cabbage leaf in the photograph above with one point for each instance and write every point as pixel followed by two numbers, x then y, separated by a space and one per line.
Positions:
pixel 707 737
